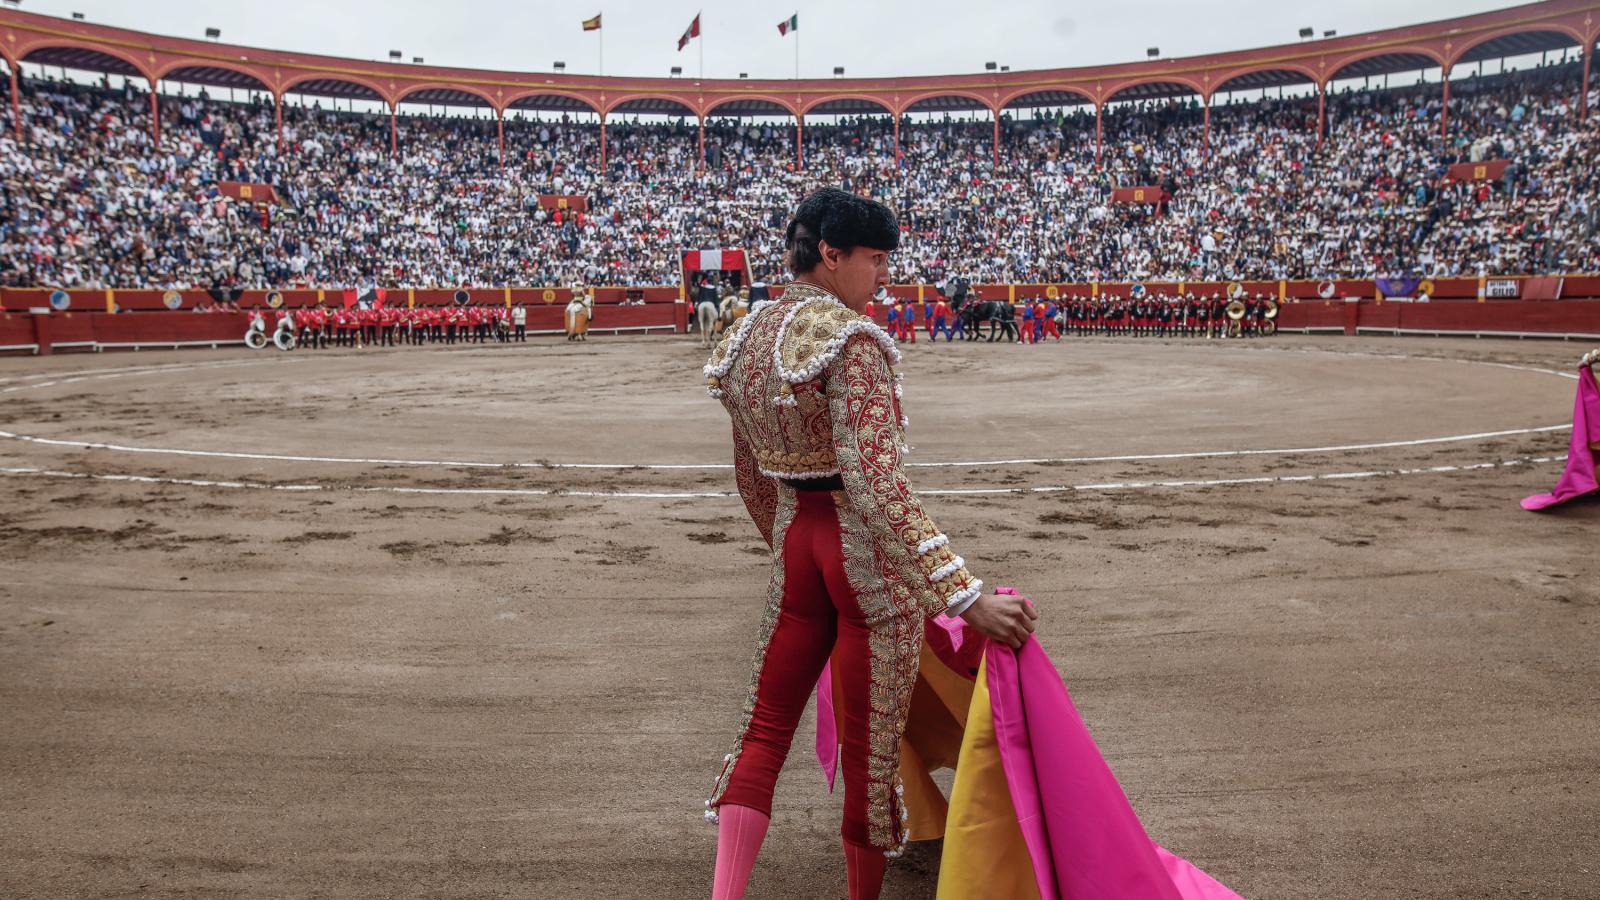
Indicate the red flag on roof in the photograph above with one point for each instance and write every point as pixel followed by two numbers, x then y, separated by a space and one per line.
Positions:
pixel 692 32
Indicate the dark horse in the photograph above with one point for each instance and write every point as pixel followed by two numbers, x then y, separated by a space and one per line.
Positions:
pixel 999 314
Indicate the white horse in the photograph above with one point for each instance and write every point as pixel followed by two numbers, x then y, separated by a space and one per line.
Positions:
pixel 706 317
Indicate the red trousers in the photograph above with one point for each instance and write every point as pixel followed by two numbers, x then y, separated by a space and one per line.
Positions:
pixel 819 616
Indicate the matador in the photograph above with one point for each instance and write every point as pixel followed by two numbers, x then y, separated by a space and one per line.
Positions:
pixel 858 566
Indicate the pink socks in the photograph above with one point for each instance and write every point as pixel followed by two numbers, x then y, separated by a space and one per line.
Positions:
pixel 740 831
pixel 863 868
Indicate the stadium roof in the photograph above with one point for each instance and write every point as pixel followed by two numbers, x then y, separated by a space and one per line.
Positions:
pixel 1531 28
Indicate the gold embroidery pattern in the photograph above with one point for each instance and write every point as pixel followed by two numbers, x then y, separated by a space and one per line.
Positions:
pixel 759 492
pixel 867 439
pixel 792 439
pixel 769 623
pixel 894 642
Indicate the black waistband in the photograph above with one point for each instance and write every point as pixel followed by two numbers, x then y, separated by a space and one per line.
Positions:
pixel 830 483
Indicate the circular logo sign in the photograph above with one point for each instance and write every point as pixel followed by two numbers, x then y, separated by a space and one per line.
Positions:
pixel 1235 289
pixel 274 299
pixel 172 299
pixel 549 295
pixel 462 297
pixel 1136 291
pixel 1052 292
pixel 60 299
pixel 1426 286
pixel 1326 289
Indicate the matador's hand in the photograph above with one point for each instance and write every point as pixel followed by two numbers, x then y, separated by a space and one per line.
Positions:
pixel 1008 619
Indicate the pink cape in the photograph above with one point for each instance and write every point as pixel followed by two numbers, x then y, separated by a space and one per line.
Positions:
pixel 1082 835
pixel 1579 477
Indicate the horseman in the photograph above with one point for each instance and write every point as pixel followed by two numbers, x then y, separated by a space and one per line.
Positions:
pixel 707 309
pixel 579 311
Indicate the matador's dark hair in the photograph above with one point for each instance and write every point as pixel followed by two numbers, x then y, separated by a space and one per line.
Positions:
pixel 842 219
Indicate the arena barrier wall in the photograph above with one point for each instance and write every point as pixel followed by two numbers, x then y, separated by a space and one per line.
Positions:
pixel 1547 307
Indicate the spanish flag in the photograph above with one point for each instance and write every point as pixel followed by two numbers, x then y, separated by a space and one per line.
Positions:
pixel 591 24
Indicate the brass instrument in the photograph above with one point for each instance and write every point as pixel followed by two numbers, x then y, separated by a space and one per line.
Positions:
pixel 1271 309
pixel 1235 309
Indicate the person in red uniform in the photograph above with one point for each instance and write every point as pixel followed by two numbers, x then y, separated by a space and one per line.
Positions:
pixel 1044 316
pixel 941 321
pixel 858 567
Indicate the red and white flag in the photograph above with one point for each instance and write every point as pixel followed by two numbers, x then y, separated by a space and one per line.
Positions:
pixel 689 34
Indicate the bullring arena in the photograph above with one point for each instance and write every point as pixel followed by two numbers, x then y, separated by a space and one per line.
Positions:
pixel 468 619
pixel 376 623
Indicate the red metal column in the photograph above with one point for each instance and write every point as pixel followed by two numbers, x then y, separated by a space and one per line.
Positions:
pixel 1205 141
pixel 602 146
pixel 1097 144
pixel 1322 114
pixel 155 112
pixel 1444 113
pixel 897 145
pixel 1583 99
pixel 394 134
pixel 799 142
pixel 16 103
pixel 500 133
pixel 702 143
pixel 277 112
pixel 997 139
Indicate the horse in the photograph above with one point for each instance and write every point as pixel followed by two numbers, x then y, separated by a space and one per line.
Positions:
pixel 727 313
pixel 706 317
pixel 998 313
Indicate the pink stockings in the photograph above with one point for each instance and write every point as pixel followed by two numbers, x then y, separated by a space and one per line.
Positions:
pixel 819 616
pixel 740 831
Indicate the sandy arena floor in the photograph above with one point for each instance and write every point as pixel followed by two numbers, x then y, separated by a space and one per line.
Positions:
pixel 348 624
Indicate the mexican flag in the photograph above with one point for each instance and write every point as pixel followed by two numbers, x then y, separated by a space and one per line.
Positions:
pixel 790 24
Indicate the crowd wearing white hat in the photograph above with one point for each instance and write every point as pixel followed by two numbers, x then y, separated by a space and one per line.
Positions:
pixel 88 198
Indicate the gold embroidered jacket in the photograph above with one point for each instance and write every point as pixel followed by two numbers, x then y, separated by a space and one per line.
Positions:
pixel 810 388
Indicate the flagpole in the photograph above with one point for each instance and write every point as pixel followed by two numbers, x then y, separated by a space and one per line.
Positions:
pixel 797 59
pixel 602 30
pixel 702 37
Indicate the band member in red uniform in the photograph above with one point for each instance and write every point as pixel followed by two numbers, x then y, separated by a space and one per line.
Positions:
pixel 1045 315
pixel 908 322
pixel 858 566
pixel 941 321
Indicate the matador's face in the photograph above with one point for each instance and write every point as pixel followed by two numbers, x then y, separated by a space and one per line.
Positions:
pixel 856 274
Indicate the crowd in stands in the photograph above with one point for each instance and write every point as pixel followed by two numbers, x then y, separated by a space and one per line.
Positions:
pixel 88 198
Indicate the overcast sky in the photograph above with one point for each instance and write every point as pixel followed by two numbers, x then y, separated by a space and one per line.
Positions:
pixel 867 37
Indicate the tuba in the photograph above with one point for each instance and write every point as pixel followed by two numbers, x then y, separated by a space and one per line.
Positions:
pixel 1270 308
pixel 1235 309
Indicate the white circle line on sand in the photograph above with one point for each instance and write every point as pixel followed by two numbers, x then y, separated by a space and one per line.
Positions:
pixel 71 378
pixel 471 464
pixel 23 471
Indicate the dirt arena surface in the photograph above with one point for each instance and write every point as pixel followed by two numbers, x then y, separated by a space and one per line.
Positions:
pixel 405 668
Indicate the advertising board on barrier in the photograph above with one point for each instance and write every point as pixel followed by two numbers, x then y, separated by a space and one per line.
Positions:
pixel 1501 288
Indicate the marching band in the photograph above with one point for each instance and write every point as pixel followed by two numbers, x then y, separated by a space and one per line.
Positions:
pixel 1035 320
pixel 319 327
